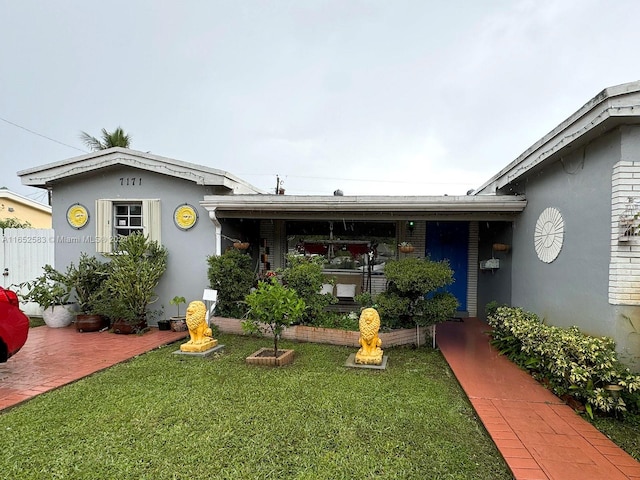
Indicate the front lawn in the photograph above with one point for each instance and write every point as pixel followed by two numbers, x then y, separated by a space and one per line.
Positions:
pixel 165 416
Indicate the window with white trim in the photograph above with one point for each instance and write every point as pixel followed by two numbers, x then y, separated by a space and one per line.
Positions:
pixel 117 218
pixel 128 218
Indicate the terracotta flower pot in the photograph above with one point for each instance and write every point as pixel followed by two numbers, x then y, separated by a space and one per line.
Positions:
pixel 90 323
pixel 124 327
pixel 178 324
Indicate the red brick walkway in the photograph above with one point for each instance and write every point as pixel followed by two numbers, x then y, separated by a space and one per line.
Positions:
pixel 539 436
pixel 53 357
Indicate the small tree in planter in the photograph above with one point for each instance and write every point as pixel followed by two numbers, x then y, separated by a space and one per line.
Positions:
pixel 177 301
pixel 178 323
pixel 272 307
pixel 87 280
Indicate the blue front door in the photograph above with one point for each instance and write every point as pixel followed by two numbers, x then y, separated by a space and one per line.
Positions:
pixel 450 241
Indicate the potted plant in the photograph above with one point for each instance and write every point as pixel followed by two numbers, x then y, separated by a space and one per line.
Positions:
pixel 137 264
pixel 406 247
pixel 52 292
pixel 87 280
pixel 272 308
pixel 178 323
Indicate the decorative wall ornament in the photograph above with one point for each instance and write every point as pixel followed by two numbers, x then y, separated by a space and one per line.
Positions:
pixel 77 216
pixel 185 216
pixel 549 234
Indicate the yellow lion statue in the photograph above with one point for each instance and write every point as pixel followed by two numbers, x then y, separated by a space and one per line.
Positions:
pixel 370 352
pixel 200 333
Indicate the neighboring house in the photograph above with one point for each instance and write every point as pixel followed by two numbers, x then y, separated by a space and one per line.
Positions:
pixel 13 205
pixel 554 232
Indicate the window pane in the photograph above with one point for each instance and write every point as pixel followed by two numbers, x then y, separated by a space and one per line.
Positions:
pixel 122 209
pixel 135 209
pixel 136 221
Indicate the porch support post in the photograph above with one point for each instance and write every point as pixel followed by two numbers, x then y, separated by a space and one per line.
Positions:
pixel 218 235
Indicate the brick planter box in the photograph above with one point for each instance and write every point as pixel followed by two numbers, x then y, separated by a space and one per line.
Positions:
pixel 332 336
pixel 264 356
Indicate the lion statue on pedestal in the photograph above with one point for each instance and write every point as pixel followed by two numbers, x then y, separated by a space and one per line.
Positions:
pixel 370 352
pixel 200 333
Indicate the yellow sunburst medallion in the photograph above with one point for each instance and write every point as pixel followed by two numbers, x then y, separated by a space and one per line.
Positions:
pixel 185 216
pixel 77 216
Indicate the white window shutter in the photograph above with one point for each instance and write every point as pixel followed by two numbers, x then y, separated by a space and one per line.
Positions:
pixel 151 219
pixel 104 230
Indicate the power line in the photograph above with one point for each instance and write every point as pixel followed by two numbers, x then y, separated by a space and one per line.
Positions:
pixel 342 179
pixel 41 135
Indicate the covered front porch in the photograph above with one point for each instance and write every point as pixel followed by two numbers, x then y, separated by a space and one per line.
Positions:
pixel 358 235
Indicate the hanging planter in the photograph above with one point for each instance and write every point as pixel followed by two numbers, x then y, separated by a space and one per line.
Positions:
pixel 241 245
pixel 501 247
pixel 406 247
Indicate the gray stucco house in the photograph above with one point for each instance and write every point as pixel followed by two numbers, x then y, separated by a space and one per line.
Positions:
pixel 576 254
pixel 553 232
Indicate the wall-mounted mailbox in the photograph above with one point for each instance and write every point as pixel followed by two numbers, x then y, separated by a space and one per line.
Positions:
pixel 491 264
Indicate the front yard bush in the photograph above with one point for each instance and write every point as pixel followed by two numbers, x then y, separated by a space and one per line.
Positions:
pixel 231 274
pixel 304 275
pixel 570 362
pixel 413 296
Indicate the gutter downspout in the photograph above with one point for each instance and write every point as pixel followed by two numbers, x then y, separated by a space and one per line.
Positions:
pixel 218 235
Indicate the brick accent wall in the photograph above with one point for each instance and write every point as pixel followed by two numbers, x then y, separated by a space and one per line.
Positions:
pixel 624 266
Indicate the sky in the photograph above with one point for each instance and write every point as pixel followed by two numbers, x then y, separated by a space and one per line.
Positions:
pixel 394 97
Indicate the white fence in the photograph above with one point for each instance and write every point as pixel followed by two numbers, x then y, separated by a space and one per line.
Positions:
pixel 23 253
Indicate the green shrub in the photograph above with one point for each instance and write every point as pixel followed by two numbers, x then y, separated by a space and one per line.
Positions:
pixel 87 280
pixel 365 300
pixel 411 296
pixel 394 310
pixel 570 362
pixel 304 275
pixel 231 274
pixel 136 266
pixel 274 307
pixel 491 307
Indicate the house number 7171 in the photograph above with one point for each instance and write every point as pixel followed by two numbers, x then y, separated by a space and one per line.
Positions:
pixel 130 181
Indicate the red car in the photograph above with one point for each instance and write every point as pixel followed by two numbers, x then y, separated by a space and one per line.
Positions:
pixel 14 325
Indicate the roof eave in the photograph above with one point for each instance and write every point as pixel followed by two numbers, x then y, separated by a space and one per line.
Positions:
pixel 612 107
pixel 44 175
pixel 279 205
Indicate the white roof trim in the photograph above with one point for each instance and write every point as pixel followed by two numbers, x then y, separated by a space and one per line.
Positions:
pixel 45 174
pixel 4 193
pixel 613 106
pixel 280 206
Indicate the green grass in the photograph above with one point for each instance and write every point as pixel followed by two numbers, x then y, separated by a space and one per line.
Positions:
pixel 624 432
pixel 165 416
pixel 36 322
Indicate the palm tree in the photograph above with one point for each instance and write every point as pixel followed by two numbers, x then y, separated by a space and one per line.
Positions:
pixel 117 138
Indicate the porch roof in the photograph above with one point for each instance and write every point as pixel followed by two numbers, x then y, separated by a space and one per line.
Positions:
pixel 271 206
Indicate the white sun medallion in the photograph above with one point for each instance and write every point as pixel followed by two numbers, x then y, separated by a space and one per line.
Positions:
pixel 549 235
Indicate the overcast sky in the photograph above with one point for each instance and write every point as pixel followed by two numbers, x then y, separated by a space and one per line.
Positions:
pixel 390 97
